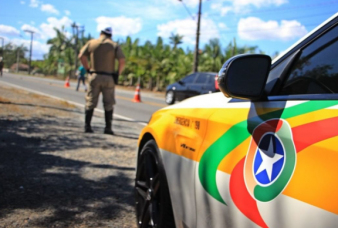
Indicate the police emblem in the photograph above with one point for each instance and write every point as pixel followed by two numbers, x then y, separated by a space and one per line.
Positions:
pixel 270 161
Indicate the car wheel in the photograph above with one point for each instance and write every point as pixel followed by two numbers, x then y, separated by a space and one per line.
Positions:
pixel 153 204
pixel 170 97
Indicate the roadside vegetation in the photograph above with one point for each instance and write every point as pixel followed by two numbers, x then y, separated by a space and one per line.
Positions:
pixel 153 65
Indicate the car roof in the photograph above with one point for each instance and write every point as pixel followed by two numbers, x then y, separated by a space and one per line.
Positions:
pixel 208 72
pixel 305 37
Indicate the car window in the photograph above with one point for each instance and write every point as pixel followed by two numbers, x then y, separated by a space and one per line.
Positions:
pixel 201 78
pixel 211 79
pixel 189 79
pixel 316 70
pixel 276 73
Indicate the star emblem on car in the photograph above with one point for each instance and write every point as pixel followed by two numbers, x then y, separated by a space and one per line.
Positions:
pixel 269 159
pixel 268 162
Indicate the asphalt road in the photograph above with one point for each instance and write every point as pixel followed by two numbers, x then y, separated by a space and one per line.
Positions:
pixel 125 108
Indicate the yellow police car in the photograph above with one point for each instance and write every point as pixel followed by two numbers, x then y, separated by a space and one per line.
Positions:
pixel 261 153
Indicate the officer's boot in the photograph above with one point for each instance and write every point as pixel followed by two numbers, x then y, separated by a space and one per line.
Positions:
pixel 88 119
pixel 108 115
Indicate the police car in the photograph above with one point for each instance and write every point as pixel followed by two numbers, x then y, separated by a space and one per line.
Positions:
pixel 261 153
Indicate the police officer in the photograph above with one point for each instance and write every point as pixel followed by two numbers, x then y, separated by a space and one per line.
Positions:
pixel 102 53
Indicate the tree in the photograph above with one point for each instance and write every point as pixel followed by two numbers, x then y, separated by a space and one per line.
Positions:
pixel 175 40
pixel 11 54
pixel 154 65
pixel 134 61
pixel 61 49
pixel 212 58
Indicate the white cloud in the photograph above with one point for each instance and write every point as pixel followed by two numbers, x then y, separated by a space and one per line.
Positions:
pixel 38 50
pixel 187 28
pixel 47 29
pixel 243 6
pixel 44 31
pixel 41 33
pixel 191 3
pixel 258 3
pixel 223 26
pixel 253 28
pixel 37 33
pixel 121 25
pixel 49 9
pixel 153 10
pixel 67 12
pixel 9 30
pixel 225 10
pixel 34 3
pixel 22 2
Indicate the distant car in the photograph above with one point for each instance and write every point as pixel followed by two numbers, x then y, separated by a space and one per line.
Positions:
pixel 263 155
pixel 191 85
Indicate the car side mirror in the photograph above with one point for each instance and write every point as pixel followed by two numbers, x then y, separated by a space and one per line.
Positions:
pixel 244 76
pixel 181 82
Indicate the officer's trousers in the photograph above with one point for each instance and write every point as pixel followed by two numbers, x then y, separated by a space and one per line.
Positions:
pixel 98 83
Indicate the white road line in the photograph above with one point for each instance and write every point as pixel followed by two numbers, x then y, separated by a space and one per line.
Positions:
pixel 59 82
pixel 70 102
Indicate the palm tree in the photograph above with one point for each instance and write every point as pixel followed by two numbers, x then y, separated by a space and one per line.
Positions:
pixel 58 43
pixel 175 40
pixel 62 49
pixel 212 58
pixel 134 61
pixel 152 64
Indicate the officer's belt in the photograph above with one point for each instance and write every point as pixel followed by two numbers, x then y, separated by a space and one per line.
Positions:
pixel 114 75
pixel 102 72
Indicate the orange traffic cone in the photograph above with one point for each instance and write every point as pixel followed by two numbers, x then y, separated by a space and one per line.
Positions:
pixel 67 83
pixel 137 96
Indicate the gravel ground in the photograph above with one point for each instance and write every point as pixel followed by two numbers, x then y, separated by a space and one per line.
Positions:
pixel 53 175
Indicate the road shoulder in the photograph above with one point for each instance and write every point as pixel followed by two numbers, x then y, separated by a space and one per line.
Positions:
pixel 53 175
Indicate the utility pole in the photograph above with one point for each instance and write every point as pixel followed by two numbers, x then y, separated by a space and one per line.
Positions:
pixel 197 36
pixel 30 50
pixel 76 31
pixel 194 69
pixel 17 59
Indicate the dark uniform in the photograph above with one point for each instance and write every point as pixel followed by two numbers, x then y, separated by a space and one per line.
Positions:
pixel 102 52
pixel 1 65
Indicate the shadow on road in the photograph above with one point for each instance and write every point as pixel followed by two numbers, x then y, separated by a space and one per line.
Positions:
pixel 72 110
pixel 41 106
pixel 131 121
pixel 34 175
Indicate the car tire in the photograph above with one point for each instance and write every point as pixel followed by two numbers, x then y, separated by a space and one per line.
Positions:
pixel 170 97
pixel 153 203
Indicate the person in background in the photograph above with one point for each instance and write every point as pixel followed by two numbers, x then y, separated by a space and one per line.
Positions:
pixel 1 65
pixel 81 76
pixel 102 52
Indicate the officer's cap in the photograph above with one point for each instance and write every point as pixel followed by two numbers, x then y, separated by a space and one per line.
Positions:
pixel 107 30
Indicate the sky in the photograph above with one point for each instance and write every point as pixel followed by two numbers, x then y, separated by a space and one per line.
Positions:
pixel 271 25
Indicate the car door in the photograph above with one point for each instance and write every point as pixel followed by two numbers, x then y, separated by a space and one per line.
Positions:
pixel 183 91
pixel 273 163
pixel 209 86
pixel 198 86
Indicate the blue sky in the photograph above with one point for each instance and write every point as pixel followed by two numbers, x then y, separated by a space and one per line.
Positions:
pixel 272 25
